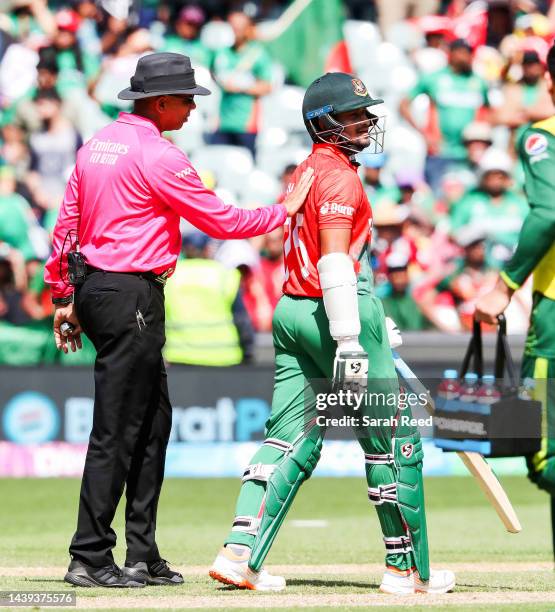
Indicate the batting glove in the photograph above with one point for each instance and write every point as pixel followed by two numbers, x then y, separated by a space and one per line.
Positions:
pixel 350 367
pixel 393 333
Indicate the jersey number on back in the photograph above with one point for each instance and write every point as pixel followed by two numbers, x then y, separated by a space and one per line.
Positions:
pixel 293 241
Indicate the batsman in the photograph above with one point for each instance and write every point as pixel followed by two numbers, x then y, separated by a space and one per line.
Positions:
pixel 535 254
pixel 328 321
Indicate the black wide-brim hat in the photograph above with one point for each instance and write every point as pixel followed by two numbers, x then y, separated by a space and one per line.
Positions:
pixel 162 74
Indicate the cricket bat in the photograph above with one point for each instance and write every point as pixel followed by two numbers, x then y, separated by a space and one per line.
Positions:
pixel 474 462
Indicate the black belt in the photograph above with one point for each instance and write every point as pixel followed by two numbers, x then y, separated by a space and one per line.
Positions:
pixel 151 276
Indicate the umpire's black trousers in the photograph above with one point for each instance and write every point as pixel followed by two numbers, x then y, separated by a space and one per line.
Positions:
pixel 123 315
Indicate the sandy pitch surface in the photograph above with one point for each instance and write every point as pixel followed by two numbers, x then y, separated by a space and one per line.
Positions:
pixel 314 570
pixel 295 600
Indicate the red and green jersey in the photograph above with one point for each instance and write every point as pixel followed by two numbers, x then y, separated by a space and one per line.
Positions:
pixel 336 200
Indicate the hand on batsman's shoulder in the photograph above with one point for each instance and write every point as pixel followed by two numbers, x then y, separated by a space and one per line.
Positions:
pixel 296 198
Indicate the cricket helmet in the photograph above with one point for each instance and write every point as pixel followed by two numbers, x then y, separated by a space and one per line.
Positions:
pixel 339 92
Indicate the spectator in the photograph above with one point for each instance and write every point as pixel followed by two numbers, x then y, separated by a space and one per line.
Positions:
pixel 16 216
pixel 53 149
pixel 433 56
pixel 477 139
pixel 114 34
pixel 206 322
pixel 13 275
pixel 389 223
pixel 527 100
pixel 23 341
pixel 389 13
pixel 37 299
pixel 271 262
pixel 77 67
pixel 32 19
pixel 242 255
pixel 397 298
pixel 372 166
pixel 87 34
pixel 186 38
pixel 17 72
pixel 412 190
pixel 500 19
pixel 25 112
pixel 456 97
pixel 435 29
pixel 14 150
pixel 243 71
pixel 498 209
pixel 468 279
pixel 453 187
pixel 132 45
pixel 77 106
pixel 12 281
pixel 409 187
pixel 532 32
pixel 264 282
pixel 420 229
pixel 47 69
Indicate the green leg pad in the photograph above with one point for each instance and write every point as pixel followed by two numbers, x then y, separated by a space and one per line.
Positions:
pixel 389 516
pixel 281 488
pixel 408 456
pixel 252 495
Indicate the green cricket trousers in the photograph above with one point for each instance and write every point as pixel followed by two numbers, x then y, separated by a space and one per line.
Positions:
pixel 305 354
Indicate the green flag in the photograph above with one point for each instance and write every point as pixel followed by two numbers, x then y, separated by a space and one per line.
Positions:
pixel 308 40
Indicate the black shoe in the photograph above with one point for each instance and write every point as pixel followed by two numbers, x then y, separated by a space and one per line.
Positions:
pixel 152 572
pixel 82 575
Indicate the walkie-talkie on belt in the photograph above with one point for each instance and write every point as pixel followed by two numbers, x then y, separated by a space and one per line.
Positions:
pixel 76 266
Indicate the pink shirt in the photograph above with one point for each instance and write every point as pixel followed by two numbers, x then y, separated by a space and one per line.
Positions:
pixel 125 196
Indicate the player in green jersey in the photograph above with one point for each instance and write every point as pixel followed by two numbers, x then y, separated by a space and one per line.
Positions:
pixel 535 254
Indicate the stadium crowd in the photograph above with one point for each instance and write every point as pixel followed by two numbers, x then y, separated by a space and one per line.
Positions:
pixel 460 79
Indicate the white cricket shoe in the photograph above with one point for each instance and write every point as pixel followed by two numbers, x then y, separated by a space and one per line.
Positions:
pixel 441 581
pixel 231 567
pixel 398 582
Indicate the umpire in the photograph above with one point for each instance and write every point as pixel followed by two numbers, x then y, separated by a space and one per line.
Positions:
pixel 120 214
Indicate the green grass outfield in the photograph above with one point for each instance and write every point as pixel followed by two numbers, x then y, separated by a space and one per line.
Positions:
pixel 340 561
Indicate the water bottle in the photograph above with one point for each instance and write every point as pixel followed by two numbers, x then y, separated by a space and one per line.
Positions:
pixel 526 389
pixel 469 388
pixel 488 392
pixel 449 387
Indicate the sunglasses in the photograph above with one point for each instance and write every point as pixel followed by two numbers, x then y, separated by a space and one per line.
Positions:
pixel 186 99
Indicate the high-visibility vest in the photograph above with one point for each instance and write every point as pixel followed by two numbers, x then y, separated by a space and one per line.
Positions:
pixel 199 318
